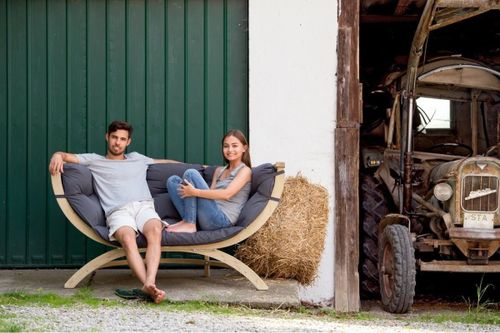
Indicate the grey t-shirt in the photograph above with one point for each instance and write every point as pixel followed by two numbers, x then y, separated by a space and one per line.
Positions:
pixel 118 182
pixel 232 207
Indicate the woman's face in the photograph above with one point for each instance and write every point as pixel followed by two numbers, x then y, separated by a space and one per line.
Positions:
pixel 233 149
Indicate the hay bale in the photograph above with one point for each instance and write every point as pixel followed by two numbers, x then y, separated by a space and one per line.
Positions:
pixel 290 244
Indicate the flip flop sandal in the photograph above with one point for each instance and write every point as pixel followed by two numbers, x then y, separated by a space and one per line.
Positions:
pixel 134 293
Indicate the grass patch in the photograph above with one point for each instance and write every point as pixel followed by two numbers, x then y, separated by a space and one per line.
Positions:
pixel 82 296
pixel 482 318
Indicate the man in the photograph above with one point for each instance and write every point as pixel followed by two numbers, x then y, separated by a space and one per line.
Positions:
pixel 120 181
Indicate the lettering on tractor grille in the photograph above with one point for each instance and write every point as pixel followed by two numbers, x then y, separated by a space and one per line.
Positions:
pixel 480 193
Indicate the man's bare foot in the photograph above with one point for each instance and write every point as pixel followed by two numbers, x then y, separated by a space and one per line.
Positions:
pixel 159 296
pixel 184 227
pixel 156 294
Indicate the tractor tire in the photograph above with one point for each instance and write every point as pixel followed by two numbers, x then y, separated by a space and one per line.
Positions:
pixel 396 269
pixel 375 203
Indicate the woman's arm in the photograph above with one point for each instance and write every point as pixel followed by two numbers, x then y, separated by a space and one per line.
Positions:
pixel 243 177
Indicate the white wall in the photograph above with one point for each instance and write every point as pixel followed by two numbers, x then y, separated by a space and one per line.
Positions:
pixel 292 97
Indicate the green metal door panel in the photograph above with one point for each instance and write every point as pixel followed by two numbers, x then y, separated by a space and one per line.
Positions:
pixel 37 133
pixel 237 65
pixel 136 72
pixel 194 84
pixel 177 70
pixel 214 79
pixel 16 133
pixel 76 106
pixel 116 60
pixel 57 128
pixel 96 89
pixel 3 132
pixel 96 75
pixel 155 78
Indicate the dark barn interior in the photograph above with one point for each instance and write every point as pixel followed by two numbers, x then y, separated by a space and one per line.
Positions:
pixel 386 31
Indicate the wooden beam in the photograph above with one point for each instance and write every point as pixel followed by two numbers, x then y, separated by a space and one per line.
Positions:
pixel 346 221
pixel 346 218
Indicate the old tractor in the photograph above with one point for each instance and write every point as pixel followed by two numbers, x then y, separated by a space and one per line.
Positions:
pixel 429 197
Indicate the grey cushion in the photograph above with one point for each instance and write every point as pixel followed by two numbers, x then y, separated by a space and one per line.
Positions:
pixel 159 173
pixel 262 186
pixel 79 189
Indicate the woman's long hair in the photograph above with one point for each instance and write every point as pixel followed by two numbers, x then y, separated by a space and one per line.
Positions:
pixel 241 137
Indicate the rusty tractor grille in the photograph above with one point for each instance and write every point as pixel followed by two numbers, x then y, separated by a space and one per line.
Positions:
pixel 480 193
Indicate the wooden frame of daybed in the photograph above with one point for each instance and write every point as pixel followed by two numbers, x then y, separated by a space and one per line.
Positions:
pixel 114 257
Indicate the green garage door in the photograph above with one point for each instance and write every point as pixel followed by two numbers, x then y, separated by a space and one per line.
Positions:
pixel 177 70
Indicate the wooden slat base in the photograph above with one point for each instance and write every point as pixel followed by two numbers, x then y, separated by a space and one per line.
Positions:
pixel 458 266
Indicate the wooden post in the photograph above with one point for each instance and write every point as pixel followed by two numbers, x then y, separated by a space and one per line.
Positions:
pixel 347 160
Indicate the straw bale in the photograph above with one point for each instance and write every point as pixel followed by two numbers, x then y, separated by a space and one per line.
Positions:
pixel 290 244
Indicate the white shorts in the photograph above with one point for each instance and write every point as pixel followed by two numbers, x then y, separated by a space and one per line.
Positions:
pixel 134 215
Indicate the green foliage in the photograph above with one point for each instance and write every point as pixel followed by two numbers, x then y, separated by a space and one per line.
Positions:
pixel 481 303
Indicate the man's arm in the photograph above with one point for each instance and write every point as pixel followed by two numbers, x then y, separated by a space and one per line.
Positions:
pixel 58 159
pixel 165 161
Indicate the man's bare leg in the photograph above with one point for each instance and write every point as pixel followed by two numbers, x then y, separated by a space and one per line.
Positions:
pixel 152 231
pixel 127 238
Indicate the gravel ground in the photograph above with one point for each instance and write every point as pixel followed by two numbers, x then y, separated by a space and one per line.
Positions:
pixel 139 318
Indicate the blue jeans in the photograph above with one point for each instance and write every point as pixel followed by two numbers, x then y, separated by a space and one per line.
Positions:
pixel 192 209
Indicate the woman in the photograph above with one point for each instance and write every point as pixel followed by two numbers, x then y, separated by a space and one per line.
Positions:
pixel 220 205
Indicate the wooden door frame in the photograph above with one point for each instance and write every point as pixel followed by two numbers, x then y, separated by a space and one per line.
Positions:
pixel 346 218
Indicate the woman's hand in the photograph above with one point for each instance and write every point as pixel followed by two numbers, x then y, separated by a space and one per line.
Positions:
pixel 186 189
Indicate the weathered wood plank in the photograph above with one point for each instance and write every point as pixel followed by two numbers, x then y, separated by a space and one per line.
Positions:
pixel 347 160
pixel 346 220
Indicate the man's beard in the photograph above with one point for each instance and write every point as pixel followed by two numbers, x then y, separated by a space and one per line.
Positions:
pixel 111 152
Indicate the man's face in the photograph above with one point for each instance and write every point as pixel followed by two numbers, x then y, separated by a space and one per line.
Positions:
pixel 117 142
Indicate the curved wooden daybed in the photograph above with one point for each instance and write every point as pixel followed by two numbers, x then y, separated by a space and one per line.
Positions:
pixel 210 251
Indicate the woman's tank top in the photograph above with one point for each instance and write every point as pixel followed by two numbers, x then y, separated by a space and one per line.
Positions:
pixel 232 207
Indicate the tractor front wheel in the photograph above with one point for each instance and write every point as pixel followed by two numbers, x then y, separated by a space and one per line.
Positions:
pixel 396 269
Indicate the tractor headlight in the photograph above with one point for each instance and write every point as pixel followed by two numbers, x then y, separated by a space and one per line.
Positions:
pixel 443 191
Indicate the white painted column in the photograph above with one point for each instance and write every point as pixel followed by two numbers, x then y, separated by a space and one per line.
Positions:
pixel 292 97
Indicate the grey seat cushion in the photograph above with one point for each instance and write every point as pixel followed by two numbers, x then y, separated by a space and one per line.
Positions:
pixel 79 190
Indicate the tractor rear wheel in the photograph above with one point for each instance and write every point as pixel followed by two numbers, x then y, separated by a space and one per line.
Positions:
pixel 396 269
pixel 374 206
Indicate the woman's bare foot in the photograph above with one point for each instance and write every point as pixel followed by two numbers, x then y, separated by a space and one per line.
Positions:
pixel 183 227
pixel 176 225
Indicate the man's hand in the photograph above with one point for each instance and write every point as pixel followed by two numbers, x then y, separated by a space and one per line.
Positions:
pixel 56 163
pixel 58 159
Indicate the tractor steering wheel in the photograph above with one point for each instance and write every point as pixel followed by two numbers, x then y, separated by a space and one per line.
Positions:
pixel 451 148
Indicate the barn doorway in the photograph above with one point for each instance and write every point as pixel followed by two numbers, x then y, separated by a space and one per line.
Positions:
pixel 386 31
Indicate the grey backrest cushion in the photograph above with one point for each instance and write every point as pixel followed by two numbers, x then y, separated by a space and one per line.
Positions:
pixel 79 189
pixel 262 186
